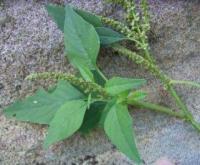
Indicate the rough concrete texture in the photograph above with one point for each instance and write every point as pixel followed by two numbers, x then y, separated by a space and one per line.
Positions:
pixel 30 42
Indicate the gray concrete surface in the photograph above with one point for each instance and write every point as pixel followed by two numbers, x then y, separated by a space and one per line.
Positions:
pixel 30 42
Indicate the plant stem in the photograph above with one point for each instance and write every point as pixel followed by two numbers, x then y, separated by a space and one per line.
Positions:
pixel 149 63
pixel 167 82
pixel 153 69
pixel 157 108
pixel 148 56
pixel 179 102
pixel 188 114
pixel 151 106
pixel 142 45
pixel 195 124
pixel 189 83
pixel 163 78
pixel 101 74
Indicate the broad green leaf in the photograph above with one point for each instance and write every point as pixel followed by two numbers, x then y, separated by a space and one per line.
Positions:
pixel 92 117
pixel 86 73
pixel 41 107
pixel 66 121
pixel 136 95
pixel 118 127
pixel 108 36
pixel 89 17
pixel 81 40
pixel 117 85
pixel 58 14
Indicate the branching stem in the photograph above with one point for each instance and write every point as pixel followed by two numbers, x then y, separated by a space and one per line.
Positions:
pixel 163 78
pixel 157 108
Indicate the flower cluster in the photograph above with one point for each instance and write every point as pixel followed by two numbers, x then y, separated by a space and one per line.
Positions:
pixel 86 86
pixel 143 62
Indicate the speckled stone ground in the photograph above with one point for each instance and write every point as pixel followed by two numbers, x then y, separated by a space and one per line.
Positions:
pixel 30 42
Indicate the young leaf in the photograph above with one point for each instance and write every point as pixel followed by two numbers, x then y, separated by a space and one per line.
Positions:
pixel 41 107
pixel 117 85
pixel 108 36
pixel 81 40
pixel 121 97
pixel 67 121
pixel 58 14
pixel 118 127
pixel 136 95
pixel 92 117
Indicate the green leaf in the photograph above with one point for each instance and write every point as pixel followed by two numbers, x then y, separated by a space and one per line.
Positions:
pixel 92 117
pixel 81 40
pixel 66 122
pixel 117 85
pixel 58 14
pixel 108 36
pixel 86 73
pixel 41 107
pixel 89 17
pixel 106 110
pixel 118 127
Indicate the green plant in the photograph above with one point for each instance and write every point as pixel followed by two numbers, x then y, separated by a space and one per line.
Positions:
pixel 89 100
